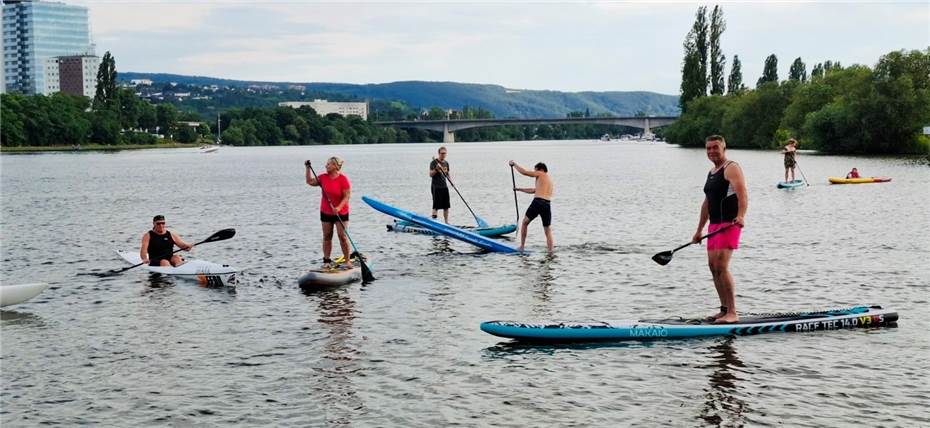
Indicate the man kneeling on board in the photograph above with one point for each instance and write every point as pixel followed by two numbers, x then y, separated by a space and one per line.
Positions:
pixel 540 205
pixel 158 245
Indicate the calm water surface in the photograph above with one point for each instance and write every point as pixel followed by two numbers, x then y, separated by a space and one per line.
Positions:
pixel 406 350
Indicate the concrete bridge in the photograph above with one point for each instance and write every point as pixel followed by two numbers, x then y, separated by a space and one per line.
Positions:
pixel 448 127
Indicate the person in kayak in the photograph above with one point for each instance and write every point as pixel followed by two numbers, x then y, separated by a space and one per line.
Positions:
pixel 158 245
pixel 540 205
pixel 790 151
pixel 725 203
pixel 853 174
pixel 335 185
pixel 438 169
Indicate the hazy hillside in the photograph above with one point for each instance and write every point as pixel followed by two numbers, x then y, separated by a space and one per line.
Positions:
pixel 503 102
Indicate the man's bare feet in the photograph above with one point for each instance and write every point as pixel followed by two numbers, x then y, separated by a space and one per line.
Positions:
pixel 729 318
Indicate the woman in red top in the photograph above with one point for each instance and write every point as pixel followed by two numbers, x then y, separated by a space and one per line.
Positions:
pixel 337 187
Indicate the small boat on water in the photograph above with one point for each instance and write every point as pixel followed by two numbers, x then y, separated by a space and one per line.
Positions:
pixel 19 293
pixel 209 149
pixel 605 137
pixel 213 148
pixel 207 274
pixel 862 180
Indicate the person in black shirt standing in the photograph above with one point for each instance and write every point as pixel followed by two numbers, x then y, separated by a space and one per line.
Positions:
pixel 438 170
pixel 725 204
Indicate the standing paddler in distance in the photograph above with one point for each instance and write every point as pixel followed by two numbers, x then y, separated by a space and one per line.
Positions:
pixel 438 170
pixel 725 204
pixel 790 151
pixel 336 186
pixel 158 245
pixel 540 205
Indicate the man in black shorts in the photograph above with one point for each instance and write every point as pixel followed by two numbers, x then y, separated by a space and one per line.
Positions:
pixel 438 169
pixel 540 205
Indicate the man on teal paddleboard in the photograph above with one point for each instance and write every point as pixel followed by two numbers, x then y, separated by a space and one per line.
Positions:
pixel 438 170
pixel 540 205
pixel 725 203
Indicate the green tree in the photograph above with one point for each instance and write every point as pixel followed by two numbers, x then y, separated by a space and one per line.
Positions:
pixel 166 119
pixel 798 71
pixel 735 82
pixel 770 72
pixel 187 134
pixel 694 65
pixel 105 128
pixel 717 59
pixel 105 96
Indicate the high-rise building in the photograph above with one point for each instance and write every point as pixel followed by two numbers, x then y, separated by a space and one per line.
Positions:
pixel 36 31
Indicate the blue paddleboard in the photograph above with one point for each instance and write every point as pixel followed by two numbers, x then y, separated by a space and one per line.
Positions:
pixel 409 227
pixel 679 328
pixel 790 184
pixel 440 228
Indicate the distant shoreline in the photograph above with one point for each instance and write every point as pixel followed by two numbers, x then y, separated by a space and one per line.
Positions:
pixel 94 148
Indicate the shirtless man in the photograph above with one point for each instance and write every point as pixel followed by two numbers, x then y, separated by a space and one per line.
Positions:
pixel 540 205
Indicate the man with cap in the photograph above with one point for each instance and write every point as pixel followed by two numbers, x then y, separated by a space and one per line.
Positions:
pixel 158 245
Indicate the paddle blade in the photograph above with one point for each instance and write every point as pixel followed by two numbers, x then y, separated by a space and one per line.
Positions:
pixel 481 222
pixel 367 276
pixel 221 235
pixel 663 258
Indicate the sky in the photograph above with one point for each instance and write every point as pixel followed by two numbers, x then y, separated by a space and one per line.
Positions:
pixel 565 46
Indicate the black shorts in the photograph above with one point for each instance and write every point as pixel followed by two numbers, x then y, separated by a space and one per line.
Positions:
pixel 157 262
pixel 540 207
pixel 329 218
pixel 441 198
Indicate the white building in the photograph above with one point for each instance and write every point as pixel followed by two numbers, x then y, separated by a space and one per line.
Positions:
pixel 323 107
pixel 143 82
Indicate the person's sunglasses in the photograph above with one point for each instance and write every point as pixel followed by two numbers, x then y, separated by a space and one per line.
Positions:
pixel 159 223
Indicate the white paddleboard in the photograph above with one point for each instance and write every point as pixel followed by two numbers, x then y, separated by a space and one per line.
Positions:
pixel 14 294
pixel 199 270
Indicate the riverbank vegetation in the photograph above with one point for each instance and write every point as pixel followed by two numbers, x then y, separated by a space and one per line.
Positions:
pixel 844 110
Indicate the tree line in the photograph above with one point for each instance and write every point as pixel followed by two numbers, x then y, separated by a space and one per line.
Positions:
pixel 835 109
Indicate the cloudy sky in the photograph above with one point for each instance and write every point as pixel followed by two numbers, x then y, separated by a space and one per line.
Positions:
pixel 567 46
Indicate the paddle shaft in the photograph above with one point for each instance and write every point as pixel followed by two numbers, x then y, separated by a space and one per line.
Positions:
pixel 798 166
pixel 366 273
pixel 706 236
pixel 446 176
pixel 516 206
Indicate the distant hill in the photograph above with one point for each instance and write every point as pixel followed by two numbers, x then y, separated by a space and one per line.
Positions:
pixel 503 102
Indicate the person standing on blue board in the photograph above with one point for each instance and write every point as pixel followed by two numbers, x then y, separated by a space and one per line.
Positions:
pixel 790 151
pixel 438 170
pixel 335 185
pixel 540 205
pixel 158 245
pixel 725 203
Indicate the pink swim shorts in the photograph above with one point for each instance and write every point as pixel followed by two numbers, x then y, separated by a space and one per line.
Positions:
pixel 726 240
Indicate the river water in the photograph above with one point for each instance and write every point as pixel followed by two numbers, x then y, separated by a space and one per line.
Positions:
pixel 406 350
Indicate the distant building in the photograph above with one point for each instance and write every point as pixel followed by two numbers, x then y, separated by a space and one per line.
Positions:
pixel 323 107
pixel 76 75
pixel 36 31
pixel 143 82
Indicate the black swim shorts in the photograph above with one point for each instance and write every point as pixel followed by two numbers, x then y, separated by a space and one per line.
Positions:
pixel 329 218
pixel 540 207
pixel 441 198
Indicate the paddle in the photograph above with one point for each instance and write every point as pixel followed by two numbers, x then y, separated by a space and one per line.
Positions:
pixel 798 166
pixel 367 276
pixel 218 236
pixel 479 220
pixel 666 256
pixel 513 178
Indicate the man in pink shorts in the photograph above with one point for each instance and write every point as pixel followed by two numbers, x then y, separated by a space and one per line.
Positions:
pixel 725 204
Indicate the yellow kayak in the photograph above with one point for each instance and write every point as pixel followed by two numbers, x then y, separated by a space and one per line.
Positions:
pixel 841 180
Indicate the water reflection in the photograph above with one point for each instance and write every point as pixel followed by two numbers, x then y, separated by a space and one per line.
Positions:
pixel 722 404
pixel 539 272
pixel 336 368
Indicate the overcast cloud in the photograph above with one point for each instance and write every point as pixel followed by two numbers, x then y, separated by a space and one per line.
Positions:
pixel 567 46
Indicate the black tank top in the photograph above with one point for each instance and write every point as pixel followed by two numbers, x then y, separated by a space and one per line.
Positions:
pixel 722 204
pixel 160 245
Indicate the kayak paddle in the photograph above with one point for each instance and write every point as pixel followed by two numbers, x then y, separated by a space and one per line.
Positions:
pixel 479 220
pixel 666 256
pixel 513 178
pixel 367 276
pixel 218 236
